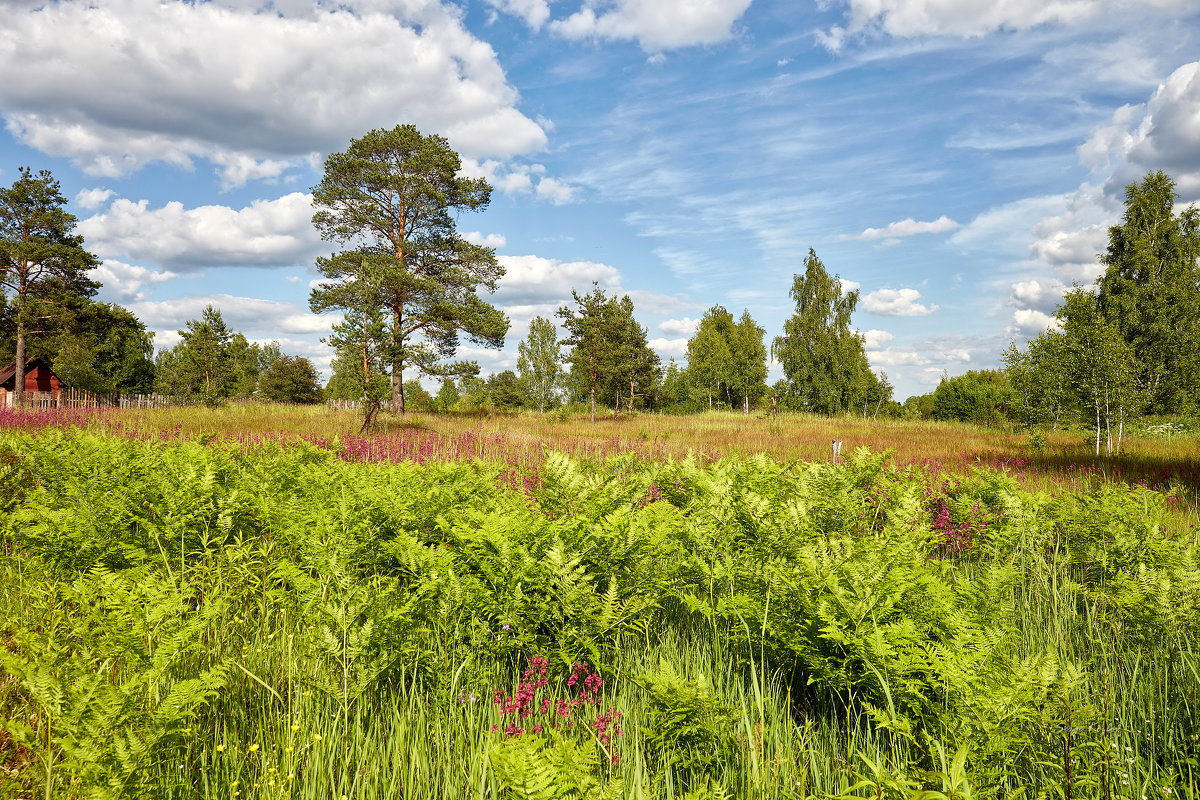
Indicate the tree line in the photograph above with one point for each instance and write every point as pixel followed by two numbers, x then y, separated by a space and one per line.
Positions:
pixel 409 290
pixel 48 312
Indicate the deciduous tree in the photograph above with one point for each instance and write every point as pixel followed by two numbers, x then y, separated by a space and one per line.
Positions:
pixel 290 379
pixel 823 359
pixel 1150 291
pixel 538 364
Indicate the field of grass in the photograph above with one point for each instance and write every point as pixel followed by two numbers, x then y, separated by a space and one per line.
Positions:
pixel 255 602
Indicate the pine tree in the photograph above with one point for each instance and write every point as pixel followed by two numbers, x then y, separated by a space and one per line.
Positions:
pixel 393 195
pixel 38 247
pixel 199 368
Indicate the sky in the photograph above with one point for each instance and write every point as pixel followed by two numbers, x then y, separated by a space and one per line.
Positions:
pixel 955 161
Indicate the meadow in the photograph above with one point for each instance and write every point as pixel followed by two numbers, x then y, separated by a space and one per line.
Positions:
pixel 256 602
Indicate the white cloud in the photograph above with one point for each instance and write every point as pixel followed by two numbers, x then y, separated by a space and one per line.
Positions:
pixel 969 18
pixel 123 83
pixel 518 178
pixel 896 303
pixel 494 240
pixel 930 353
pixel 92 198
pixel 265 233
pixel 669 348
pixel 1044 294
pixel 556 191
pixel 909 227
pixel 1030 322
pixel 655 24
pixel 123 282
pixel 535 13
pixel 874 339
pixel 849 286
pixel 1163 134
pixel 680 327
pixel 250 315
pixel 646 302
pixel 534 279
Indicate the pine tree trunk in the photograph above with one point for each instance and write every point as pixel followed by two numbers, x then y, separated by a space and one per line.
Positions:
pixel 592 403
pixel 19 376
pixel 398 386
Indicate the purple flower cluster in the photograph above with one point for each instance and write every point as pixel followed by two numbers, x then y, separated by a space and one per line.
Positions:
pixel 526 712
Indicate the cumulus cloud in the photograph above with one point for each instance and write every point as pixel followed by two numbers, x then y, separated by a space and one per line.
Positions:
pixel 655 24
pixel 123 282
pixel 918 356
pixel 669 348
pixel 849 286
pixel 251 315
pixel 1030 322
pixel 970 18
pixel 519 178
pixel 1164 133
pixel 93 198
pixel 1044 294
pixel 874 339
pixel 494 240
pixel 896 303
pixel 538 280
pixel 123 83
pixel 265 233
pixel 557 192
pixel 908 227
pixel 679 327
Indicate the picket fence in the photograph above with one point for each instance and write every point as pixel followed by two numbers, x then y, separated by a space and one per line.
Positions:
pixel 80 398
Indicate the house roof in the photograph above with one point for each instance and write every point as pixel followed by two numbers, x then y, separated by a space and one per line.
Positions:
pixel 10 369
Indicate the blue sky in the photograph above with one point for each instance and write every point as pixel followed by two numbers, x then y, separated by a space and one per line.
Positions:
pixel 957 161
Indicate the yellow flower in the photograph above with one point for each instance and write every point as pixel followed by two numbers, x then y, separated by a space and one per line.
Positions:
pixel 287 749
pixel 317 737
pixel 295 727
pixel 220 748
pixel 253 748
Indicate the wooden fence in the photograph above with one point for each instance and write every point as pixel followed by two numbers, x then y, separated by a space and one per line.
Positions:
pixel 80 398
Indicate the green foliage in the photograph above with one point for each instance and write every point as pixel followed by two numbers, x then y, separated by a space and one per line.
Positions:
pixel 290 379
pixel 610 359
pixel 538 365
pixel 410 285
pixel 1150 292
pixel 766 630
pixel 201 368
pixel 505 391
pixel 94 346
pixel 727 361
pixel 688 727
pixel 41 258
pixel 979 396
pixel 549 768
pixel 823 360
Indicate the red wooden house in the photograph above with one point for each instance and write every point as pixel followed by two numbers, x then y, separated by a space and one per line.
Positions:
pixel 39 378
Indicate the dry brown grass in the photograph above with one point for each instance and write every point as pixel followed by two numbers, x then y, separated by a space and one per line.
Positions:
pixel 520 439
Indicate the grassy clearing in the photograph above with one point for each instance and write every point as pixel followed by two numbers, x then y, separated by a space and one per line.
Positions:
pixel 1062 459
